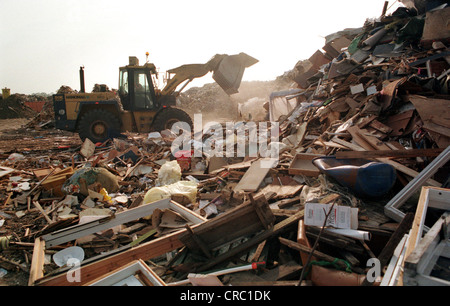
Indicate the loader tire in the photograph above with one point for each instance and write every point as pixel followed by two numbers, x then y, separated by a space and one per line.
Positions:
pixel 168 117
pixel 98 125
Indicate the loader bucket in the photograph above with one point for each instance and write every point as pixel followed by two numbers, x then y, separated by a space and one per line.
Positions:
pixel 228 74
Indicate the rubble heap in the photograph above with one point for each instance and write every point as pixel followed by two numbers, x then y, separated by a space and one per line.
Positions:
pixel 362 153
pixel 14 107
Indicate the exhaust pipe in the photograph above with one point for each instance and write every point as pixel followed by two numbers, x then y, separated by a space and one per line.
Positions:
pixel 82 79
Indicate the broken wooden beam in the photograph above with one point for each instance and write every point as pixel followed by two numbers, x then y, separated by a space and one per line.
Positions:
pixel 41 210
pixel 389 153
pixel 37 262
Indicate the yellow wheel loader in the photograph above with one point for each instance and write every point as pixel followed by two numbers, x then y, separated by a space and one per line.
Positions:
pixel 139 106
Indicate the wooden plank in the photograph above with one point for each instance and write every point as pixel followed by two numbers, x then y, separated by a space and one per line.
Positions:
pixel 197 240
pixel 426 200
pixel 408 171
pixel 330 144
pixel 258 252
pixel 302 164
pixel 417 226
pixel 389 153
pixel 368 142
pixel 380 127
pixel 348 145
pixel 356 136
pixel 273 191
pixel 374 141
pixel 254 176
pixel 366 121
pixel 41 210
pixel 303 240
pixel 37 261
pixel 420 263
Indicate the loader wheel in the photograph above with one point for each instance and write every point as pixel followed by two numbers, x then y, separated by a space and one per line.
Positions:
pixel 168 117
pixel 98 125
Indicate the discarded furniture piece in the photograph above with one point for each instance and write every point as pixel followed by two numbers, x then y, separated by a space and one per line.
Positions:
pixel 246 219
pixel 420 263
pixel 302 164
pixel 136 273
pixel 365 177
pixel 391 209
pixel 434 197
pixel 81 230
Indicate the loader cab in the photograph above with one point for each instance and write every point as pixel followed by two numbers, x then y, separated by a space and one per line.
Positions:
pixel 136 88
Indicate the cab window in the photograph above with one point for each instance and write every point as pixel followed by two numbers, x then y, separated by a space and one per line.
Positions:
pixel 143 97
pixel 123 82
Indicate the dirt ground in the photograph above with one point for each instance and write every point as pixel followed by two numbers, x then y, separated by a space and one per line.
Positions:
pixel 12 124
pixel 16 136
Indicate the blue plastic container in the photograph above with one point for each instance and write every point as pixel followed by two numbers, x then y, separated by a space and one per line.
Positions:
pixel 364 177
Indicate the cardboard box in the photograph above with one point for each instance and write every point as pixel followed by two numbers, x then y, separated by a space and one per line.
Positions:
pixel 340 217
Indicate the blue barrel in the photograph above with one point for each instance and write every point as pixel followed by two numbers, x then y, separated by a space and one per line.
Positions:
pixel 364 177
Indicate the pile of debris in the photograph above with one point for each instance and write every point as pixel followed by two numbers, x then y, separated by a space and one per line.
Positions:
pixel 354 192
pixel 14 107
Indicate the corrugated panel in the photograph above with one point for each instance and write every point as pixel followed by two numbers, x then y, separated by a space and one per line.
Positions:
pixel 36 106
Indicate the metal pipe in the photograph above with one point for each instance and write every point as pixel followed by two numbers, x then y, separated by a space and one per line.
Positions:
pixel 82 79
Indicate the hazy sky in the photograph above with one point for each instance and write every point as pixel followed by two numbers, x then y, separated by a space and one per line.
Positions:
pixel 43 43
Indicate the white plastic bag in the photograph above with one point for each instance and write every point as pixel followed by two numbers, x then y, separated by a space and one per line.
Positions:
pixel 169 173
pixel 185 188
